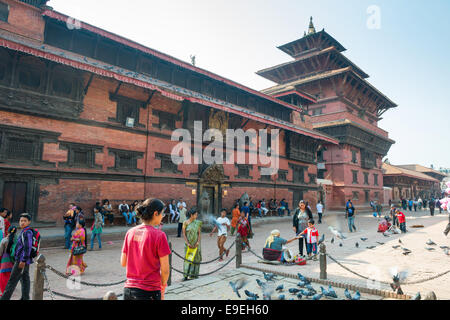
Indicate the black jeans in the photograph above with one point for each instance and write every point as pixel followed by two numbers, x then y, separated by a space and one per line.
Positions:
pixel 17 274
pixel 320 217
pixel 139 294
pixel 300 245
pixel 180 228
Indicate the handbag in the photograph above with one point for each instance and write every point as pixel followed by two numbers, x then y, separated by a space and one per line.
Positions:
pixel 79 250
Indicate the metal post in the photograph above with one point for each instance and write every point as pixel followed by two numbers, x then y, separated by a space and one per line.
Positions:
pixel 238 250
pixel 169 281
pixel 38 287
pixel 323 261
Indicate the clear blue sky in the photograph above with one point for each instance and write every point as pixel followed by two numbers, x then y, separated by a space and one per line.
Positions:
pixel 407 58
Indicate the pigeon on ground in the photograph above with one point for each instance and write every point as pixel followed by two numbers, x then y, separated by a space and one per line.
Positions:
pixel 430 242
pixel 331 292
pixel 294 290
pixel 302 278
pixel 380 243
pixel 400 241
pixel 357 296
pixel 252 298
pixel 406 252
pixel 429 249
pixel 291 299
pixel 332 240
pixel 281 297
pixel 446 251
pixel 405 249
pixel 307 293
pixel 363 239
pixel 280 287
pixel 340 244
pixel 260 283
pixel 317 296
pixel 396 246
pixel 322 239
pixel 269 276
pixel 302 284
pixel 324 291
pixel 357 245
pixel 371 247
pixel 417 296
pixel 347 294
pixel 238 284
pixel 299 295
pixel 444 247
pixel 251 294
pixel 386 235
pixel 310 288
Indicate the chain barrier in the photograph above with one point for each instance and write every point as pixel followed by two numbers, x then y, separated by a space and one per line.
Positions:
pixel 207 274
pixel 63 275
pixel 206 262
pixel 389 283
pixel 48 285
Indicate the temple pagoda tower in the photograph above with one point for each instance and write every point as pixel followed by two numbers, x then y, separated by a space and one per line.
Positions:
pixel 348 108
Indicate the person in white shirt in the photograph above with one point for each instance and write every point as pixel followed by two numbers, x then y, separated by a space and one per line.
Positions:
pixel 174 214
pixel 222 227
pixel 2 228
pixel 181 203
pixel 319 207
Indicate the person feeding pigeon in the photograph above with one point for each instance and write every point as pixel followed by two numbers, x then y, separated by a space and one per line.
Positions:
pixel 273 249
pixel 312 238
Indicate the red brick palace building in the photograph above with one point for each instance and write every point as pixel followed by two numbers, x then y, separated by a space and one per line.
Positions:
pixel 348 108
pixel 87 115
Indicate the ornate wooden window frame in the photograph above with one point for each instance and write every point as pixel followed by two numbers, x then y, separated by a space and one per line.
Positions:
pixel 170 168
pixel 90 149
pixel 123 101
pixel 118 153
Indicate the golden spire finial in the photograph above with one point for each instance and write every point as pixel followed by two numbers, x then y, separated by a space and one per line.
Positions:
pixel 311 29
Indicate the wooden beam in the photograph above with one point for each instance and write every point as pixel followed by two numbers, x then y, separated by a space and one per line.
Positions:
pixel 118 88
pixel 88 84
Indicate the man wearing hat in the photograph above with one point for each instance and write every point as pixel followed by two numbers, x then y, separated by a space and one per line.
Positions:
pixel 273 249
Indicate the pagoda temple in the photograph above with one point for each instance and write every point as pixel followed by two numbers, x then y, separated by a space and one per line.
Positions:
pixel 348 108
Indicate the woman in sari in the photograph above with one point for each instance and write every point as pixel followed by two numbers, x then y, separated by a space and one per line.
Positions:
pixel 7 248
pixel 192 235
pixel 76 266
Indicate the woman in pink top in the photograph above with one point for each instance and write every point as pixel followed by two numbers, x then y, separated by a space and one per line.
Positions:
pixel 145 254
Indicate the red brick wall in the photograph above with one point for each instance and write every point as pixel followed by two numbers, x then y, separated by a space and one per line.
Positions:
pixel 24 20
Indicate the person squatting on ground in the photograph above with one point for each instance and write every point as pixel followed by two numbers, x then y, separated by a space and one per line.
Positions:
pixel 273 248
pixel 22 260
pixel 222 232
pixel 312 238
pixel 300 222
pixel 145 255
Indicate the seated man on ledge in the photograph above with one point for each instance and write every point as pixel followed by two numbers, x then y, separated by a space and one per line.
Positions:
pixel 273 249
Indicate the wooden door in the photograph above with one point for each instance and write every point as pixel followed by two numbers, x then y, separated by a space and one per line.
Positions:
pixel 298 195
pixel 14 198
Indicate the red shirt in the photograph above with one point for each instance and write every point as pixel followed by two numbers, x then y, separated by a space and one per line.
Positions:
pixel 401 217
pixel 144 246
pixel 7 225
pixel 312 235
pixel 243 227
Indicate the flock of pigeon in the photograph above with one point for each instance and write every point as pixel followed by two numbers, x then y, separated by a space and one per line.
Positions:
pixel 303 289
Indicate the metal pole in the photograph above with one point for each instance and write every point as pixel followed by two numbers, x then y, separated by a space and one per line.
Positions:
pixel 238 250
pixel 323 261
pixel 169 281
pixel 38 287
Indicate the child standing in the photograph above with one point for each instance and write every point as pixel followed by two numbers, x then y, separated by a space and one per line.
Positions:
pixel 312 238
pixel 7 248
pixel 97 229
pixel 222 232
pixel 243 228
pixel 401 220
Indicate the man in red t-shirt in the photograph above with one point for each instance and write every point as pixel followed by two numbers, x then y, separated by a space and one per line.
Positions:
pixel 145 254
pixel 401 220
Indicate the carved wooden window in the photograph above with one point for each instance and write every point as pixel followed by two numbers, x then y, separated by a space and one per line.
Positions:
pixel 355 195
pixel 355 176
pixel 354 159
pixel 4 12
pixel 62 82
pixel 146 66
pixel 164 72
pixel 321 174
pixel 312 178
pixel 298 173
pixel 366 195
pixel 244 171
pixel 106 51
pixel 167 165
pixel 125 160
pixel 20 148
pixel 127 58
pixel 366 177
pixel 127 109
pixel 30 73
pixel 80 155
pixel 282 175
pixel 166 120
pixel 84 43
pixel 57 34
pixel 375 179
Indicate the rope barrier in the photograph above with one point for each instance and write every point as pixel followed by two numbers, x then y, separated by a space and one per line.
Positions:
pixel 63 275
pixel 389 283
pixel 205 274
pixel 184 259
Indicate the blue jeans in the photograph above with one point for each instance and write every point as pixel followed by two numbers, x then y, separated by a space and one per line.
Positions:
pixel 98 235
pixel 351 223
pixel 67 235
pixel 311 248
pixel 130 217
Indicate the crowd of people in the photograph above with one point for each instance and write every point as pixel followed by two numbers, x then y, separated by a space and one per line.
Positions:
pixel 419 204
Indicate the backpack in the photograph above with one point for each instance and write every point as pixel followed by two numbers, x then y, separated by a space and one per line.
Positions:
pixel 35 243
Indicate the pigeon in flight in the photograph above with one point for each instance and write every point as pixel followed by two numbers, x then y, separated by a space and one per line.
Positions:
pixel 444 247
pixel 280 287
pixel 251 294
pixel 430 242
pixel 338 234
pixel 238 284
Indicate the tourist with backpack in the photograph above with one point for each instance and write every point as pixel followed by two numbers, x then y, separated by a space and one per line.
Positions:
pixel 7 250
pixel 27 248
